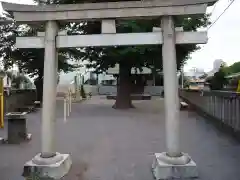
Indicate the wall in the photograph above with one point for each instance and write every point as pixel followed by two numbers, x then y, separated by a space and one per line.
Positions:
pixel 152 90
pixel 18 98
pixel 62 90
pixel 105 90
pixel 91 88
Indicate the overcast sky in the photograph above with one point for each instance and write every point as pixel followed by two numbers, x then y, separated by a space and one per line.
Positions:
pixel 224 36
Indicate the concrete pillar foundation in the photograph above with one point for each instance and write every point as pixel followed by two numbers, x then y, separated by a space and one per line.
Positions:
pixel 166 167
pixel 49 168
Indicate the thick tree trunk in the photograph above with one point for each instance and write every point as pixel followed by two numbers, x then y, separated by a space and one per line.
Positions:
pixel 139 85
pixel 39 86
pixel 123 99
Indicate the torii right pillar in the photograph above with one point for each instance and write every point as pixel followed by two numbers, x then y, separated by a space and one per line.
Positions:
pixel 173 163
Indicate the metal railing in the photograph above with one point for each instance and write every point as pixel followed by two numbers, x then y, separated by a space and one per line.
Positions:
pixel 221 105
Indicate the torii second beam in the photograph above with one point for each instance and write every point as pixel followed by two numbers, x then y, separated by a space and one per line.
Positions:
pixel 125 39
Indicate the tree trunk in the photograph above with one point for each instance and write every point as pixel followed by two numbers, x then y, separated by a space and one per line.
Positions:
pixel 123 99
pixel 39 86
pixel 38 82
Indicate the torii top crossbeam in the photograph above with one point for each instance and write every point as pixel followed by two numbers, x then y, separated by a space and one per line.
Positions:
pixel 94 11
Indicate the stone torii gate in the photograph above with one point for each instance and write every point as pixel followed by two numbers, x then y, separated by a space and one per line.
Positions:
pixel 166 165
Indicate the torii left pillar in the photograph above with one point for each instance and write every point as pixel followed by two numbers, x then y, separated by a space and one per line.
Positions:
pixel 49 164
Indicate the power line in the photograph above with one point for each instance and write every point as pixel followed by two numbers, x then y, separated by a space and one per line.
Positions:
pixel 221 14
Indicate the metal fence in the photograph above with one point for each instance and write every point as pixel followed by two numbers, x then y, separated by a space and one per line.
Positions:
pixel 221 105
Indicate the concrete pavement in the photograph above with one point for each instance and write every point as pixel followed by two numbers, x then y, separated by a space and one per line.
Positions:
pixel 109 144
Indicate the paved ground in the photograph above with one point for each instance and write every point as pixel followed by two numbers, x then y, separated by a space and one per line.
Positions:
pixel 108 144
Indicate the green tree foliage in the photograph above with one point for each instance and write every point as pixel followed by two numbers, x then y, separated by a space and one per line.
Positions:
pixel 230 70
pixel 234 68
pixel 30 61
pixel 218 81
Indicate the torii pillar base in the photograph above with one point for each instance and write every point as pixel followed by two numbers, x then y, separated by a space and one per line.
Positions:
pixel 165 167
pixel 47 168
